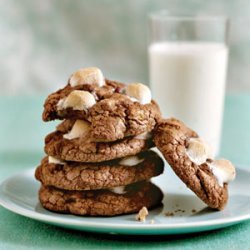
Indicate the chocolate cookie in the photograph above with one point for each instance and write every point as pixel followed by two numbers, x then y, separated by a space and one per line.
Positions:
pixel 68 147
pixel 115 117
pixel 120 116
pixel 54 110
pixel 189 157
pixel 101 202
pixel 86 176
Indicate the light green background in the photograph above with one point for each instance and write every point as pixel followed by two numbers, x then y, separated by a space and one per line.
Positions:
pixel 21 137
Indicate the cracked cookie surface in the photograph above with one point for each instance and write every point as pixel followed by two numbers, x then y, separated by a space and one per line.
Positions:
pixel 84 150
pixel 171 137
pixel 118 116
pixel 51 111
pixel 86 176
pixel 101 202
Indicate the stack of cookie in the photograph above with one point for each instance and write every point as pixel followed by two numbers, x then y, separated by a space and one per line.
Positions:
pixel 98 160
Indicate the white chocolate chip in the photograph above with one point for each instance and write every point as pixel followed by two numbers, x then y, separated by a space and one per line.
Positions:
pixel 198 151
pixel 139 92
pixel 77 100
pixel 118 190
pixel 142 214
pixel 223 170
pixel 130 161
pixel 90 75
pixel 53 160
pixel 79 129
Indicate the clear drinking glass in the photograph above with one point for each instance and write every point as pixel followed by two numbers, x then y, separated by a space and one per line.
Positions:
pixel 188 63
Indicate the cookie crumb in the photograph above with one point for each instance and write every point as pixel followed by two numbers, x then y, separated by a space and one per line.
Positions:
pixel 142 214
pixel 179 210
pixel 194 211
pixel 152 222
pixel 169 214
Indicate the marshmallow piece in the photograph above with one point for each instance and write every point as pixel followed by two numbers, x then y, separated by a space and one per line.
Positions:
pixel 144 136
pixel 60 104
pixel 142 214
pixel 130 161
pixel 223 170
pixel 90 75
pixel 79 129
pixel 139 92
pixel 118 190
pixel 53 160
pixel 198 151
pixel 77 100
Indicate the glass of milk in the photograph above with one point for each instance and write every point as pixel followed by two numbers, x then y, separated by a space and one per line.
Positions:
pixel 188 63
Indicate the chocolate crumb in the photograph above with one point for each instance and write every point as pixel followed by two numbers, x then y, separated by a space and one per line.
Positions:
pixel 169 214
pixel 179 210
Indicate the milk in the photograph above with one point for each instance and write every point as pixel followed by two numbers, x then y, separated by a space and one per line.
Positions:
pixel 188 81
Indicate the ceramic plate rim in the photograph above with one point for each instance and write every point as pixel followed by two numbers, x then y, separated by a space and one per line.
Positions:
pixel 11 206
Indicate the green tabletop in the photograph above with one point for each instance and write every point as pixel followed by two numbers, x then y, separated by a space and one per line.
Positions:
pixel 21 146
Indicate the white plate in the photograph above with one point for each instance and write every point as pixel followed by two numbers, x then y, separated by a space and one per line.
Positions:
pixel 19 195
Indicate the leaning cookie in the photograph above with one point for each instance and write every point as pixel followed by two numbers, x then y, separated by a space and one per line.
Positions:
pixel 87 176
pixel 76 145
pixel 101 202
pixel 85 87
pixel 190 159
